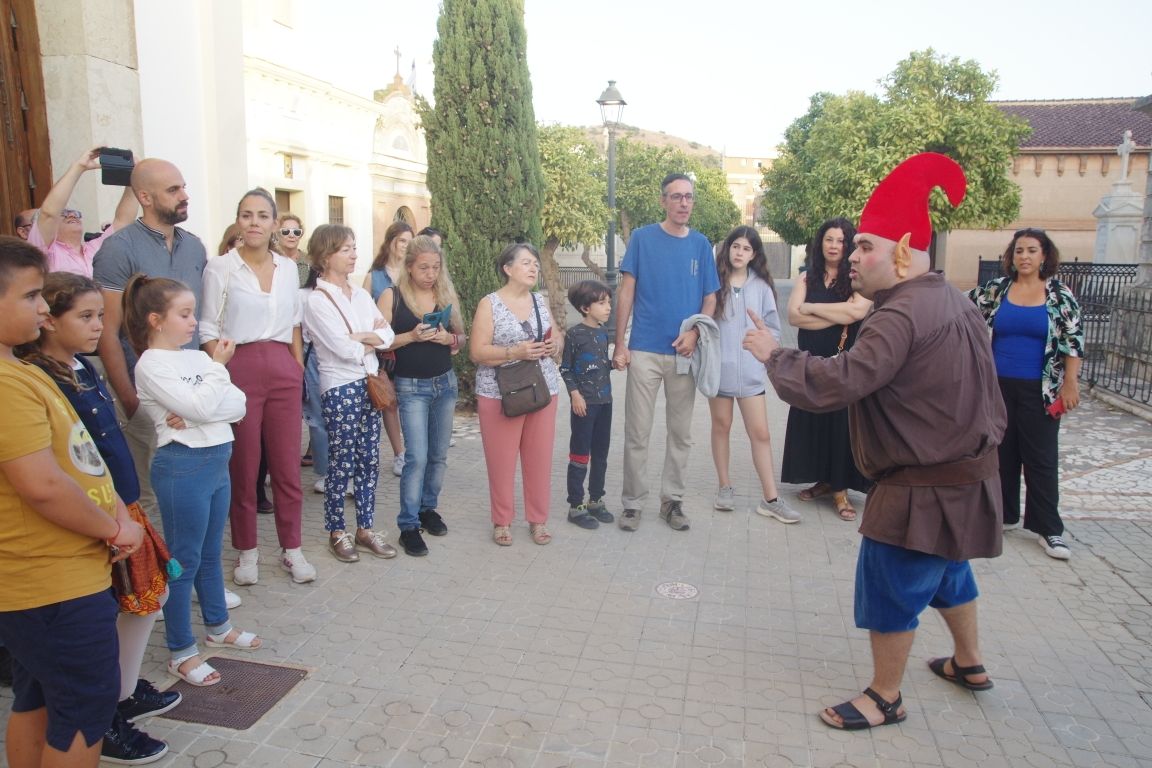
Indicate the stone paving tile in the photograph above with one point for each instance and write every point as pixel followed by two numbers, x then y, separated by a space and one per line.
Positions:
pixel 568 656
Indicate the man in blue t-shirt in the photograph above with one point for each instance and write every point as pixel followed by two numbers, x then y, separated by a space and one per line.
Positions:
pixel 668 274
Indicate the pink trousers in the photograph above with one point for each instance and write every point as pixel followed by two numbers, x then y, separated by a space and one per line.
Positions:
pixel 273 382
pixel 528 438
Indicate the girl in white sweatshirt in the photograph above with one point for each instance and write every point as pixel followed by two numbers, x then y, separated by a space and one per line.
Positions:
pixel 192 402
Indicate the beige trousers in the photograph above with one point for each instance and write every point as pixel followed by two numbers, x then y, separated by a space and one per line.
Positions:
pixel 646 373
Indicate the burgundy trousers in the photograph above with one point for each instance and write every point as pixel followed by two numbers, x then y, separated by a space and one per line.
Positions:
pixel 273 381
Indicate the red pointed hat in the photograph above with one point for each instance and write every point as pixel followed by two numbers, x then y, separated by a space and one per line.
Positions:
pixel 899 204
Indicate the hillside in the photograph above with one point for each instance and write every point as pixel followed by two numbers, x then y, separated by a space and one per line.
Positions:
pixel 707 155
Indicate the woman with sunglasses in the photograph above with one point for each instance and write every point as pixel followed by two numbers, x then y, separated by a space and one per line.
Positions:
pixel 252 297
pixel 1038 344
pixel 58 231
pixel 288 244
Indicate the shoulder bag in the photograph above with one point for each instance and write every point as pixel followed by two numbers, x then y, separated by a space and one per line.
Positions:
pixel 523 388
pixel 381 391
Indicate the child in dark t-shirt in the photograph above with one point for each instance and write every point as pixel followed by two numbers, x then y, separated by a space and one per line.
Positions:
pixel 585 369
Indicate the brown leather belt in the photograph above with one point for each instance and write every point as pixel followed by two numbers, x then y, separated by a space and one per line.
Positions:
pixel 950 473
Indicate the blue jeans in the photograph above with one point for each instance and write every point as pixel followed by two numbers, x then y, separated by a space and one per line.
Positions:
pixel 588 445
pixel 426 410
pixel 193 492
pixel 314 415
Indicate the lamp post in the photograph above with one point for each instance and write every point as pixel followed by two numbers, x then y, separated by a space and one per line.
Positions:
pixel 611 110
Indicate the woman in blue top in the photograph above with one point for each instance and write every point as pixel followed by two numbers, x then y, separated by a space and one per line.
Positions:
pixel 384 274
pixel 1038 344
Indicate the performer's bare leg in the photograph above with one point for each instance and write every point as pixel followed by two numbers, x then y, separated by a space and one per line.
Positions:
pixel 889 659
pixel 962 623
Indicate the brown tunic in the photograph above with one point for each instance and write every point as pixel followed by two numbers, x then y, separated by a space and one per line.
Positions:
pixel 921 388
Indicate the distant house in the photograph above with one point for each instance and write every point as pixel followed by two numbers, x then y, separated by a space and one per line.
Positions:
pixel 1063 169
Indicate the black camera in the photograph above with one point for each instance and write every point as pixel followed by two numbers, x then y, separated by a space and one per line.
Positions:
pixel 116 166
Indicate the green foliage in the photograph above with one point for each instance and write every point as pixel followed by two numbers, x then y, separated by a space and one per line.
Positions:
pixel 483 161
pixel 575 187
pixel 639 170
pixel 834 155
pixel 575 209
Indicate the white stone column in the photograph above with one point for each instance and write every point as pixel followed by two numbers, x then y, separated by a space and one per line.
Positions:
pixel 192 103
pixel 88 57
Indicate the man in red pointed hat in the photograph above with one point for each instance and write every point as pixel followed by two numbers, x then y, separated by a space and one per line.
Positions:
pixel 926 417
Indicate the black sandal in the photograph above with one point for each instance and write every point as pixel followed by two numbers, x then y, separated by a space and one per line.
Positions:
pixel 853 719
pixel 960 674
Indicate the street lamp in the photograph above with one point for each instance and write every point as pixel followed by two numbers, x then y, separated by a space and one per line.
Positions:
pixel 611 110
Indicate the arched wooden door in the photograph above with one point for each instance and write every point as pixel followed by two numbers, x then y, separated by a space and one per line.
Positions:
pixel 25 162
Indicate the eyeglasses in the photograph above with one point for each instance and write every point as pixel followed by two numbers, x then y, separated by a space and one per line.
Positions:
pixel 293 232
pixel 682 197
pixel 71 213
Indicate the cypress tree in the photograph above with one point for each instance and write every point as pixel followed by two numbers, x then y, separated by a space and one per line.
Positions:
pixel 483 161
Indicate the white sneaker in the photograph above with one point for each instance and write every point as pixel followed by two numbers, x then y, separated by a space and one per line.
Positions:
pixel 398 465
pixel 1055 547
pixel 292 560
pixel 779 510
pixel 247 570
pixel 321 487
pixel 725 499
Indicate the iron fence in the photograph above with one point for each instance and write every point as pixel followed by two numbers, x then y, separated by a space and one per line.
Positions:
pixel 1115 325
pixel 1119 359
pixel 569 276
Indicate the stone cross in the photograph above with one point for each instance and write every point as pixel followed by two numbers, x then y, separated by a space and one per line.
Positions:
pixel 1125 152
pixel 397 52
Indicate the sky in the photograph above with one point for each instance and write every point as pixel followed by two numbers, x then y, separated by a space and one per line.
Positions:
pixel 733 74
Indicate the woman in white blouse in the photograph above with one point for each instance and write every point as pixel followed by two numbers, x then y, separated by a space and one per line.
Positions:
pixel 251 297
pixel 346 329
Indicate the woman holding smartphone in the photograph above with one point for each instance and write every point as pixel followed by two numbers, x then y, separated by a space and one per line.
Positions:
pixel 1038 344
pixel 423 311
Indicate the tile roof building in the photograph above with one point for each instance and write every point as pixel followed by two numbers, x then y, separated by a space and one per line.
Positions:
pixel 1063 169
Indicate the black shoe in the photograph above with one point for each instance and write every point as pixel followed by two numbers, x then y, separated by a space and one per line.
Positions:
pixel 578 515
pixel 413 543
pixel 126 745
pixel 146 701
pixel 5 667
pixel 432 523
pixel 599 511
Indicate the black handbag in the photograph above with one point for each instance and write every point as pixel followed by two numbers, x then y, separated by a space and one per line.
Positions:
pixel 523 388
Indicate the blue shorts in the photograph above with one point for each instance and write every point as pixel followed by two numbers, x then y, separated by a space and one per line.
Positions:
pixel 894 585
pixel 66 657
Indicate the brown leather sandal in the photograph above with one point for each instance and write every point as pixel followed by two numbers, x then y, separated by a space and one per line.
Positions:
pixel 844 507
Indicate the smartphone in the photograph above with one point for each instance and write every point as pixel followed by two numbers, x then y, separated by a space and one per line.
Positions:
pixel 548 334
pixel 1057 409
pixel 432 318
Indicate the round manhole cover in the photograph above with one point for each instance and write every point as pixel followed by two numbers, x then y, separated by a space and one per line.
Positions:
pixel 677 590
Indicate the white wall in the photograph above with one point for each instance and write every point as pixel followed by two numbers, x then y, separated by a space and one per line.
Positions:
pixel 192 103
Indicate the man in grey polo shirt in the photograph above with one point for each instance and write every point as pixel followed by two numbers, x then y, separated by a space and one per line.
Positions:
pixel 154 245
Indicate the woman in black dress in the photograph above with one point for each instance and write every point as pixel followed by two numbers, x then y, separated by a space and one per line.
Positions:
pixel 827 314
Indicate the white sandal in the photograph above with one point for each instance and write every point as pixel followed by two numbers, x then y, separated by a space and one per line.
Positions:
pixel 195 676
pixel 243 642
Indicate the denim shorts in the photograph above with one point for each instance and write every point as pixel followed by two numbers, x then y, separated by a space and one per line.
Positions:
pixel 894 585
pixel 66 657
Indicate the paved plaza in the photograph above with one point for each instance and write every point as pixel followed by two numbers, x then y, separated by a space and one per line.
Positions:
pixel 571 654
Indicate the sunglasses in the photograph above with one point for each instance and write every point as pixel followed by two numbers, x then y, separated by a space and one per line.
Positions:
pixel 292 232
pixel 71 213
pixel 1028 231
